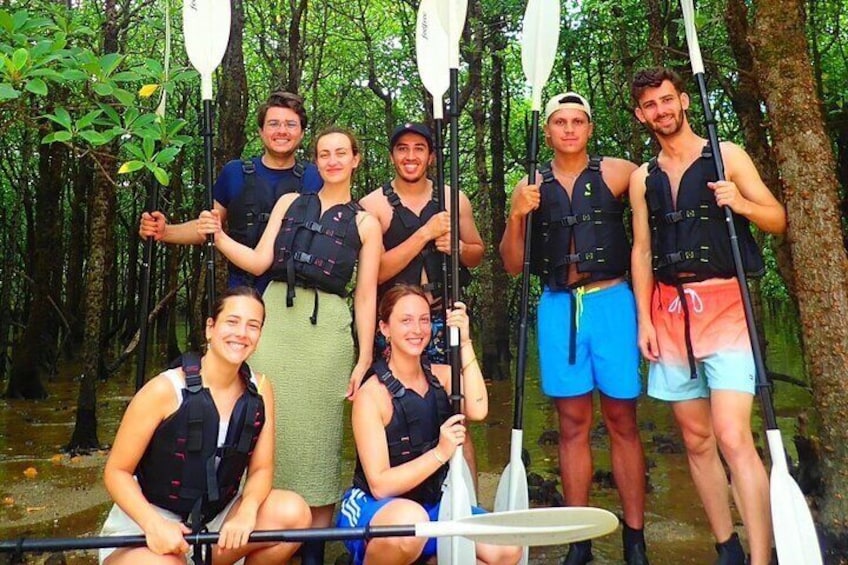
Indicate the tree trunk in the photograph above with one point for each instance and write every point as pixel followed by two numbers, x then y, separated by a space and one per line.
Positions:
pixel 494 318
pixel 232 94
pixel 97 273
pixel 38 345
pixel 806 161
pixel 77 251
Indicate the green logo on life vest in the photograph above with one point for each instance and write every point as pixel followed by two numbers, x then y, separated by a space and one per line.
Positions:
pixel 588 190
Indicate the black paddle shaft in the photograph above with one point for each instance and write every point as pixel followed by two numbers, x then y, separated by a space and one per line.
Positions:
pixel 210 204
pixel 763 387
pixel 144 306
pixel 521 369
pixel 440 204
pixel 23 545
pixel 455 361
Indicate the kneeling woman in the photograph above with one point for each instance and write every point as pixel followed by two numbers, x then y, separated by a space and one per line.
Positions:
pixel 185 442
pixel 404 440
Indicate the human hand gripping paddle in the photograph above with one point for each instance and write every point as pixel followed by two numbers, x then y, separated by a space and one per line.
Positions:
pixel 538 50
pixel 794 531
pixel 206 27
pixel 431 53
pixel 458 490
pixel 540 526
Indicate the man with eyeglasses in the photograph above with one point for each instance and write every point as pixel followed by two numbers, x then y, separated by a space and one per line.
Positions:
pixel 246 190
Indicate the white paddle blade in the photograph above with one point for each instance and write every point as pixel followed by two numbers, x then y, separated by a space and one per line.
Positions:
pixel 468 481
pixel 455 505
pixel 794 531
pixel 431 52
pixel 692 36
pixel 539 526
pixel 206 27
pixel 452 15
pixel 512 491
pixel 540 36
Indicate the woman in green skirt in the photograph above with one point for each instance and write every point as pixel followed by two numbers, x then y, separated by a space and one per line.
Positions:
pixel 312 246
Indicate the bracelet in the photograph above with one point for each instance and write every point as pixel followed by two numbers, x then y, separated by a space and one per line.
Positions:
pixel 436 455
pixel 473 360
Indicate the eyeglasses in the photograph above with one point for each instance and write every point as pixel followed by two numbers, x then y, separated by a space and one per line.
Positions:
pixel 289 125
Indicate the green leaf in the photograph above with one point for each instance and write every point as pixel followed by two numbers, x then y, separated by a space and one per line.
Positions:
pixel 134 150
pixel 37 86
pixel 5 20
pixel 61 117
pixel 161 176
pixel 130 167
pixel 110 112
pixel 110 62
pixel 125 76
pixel 124 97
pixel 7 92
pixel 87 120
pixel 62 136
pixel 20 58
pixel 103 88
pixel 147 145
pixel 19 19
pixel 49 74
pixel 166 155
pixel 74 74
pixel 93 137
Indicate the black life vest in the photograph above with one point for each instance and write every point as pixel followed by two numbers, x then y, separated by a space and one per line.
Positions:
pixel 248 213
pixel 413 429
pixel 403 225
pixel 316 250
pixel 590 222
pixel 178 471
pixel 692 237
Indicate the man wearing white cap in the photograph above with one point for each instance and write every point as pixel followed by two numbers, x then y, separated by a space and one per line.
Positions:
pixel 587 315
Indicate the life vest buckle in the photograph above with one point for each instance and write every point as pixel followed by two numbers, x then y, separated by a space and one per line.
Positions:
pixel 674 217
pixel 302 257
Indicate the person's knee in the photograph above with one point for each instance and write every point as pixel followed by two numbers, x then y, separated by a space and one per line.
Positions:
pixel 575 421
pixel 399 511
pixel 620 419
pixel 735 442
pixel 699 441
pixel 510 554
pixel 284 509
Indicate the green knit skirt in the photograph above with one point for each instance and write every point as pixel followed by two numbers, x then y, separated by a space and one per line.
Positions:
pixel 309 368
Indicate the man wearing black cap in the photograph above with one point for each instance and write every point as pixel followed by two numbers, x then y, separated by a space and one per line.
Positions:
pixel 415 234
pixel 587 313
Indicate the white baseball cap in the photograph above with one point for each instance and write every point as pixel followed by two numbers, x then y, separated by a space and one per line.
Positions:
pixel 567 100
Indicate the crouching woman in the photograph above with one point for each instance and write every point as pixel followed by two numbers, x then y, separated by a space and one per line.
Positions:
pixel 405 433
pixel 184 444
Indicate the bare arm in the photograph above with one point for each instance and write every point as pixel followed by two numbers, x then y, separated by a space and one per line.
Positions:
pixel 746 194
pixel 525 199
pixel 152 404
pixel 255 261
pixel 368 420
pixel 365 296
pixel 155 225
pixel 475 397
pixel 471 248
pixel 640 264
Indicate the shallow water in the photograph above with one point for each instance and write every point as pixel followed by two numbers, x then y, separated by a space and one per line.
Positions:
pixel 66 497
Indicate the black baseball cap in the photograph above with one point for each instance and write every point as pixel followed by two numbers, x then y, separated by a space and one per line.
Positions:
pixel 411 127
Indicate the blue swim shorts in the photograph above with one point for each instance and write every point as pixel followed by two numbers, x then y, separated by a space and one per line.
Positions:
pixel 358 509
pixel 606 350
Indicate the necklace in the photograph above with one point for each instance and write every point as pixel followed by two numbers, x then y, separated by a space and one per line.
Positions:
pixel 568 174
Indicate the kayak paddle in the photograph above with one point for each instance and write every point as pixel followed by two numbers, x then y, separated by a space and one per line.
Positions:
pixel 538 50
pixel 206 27
pixel 794 532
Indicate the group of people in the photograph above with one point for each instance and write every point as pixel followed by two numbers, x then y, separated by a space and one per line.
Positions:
pixel 296 240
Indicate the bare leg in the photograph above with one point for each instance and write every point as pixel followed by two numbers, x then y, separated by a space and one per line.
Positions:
pixel 694 419
pixel 731 414
pixel 131 555
pixel 281 510
pixel 396 550
pixel 628 459
pixel 575 455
